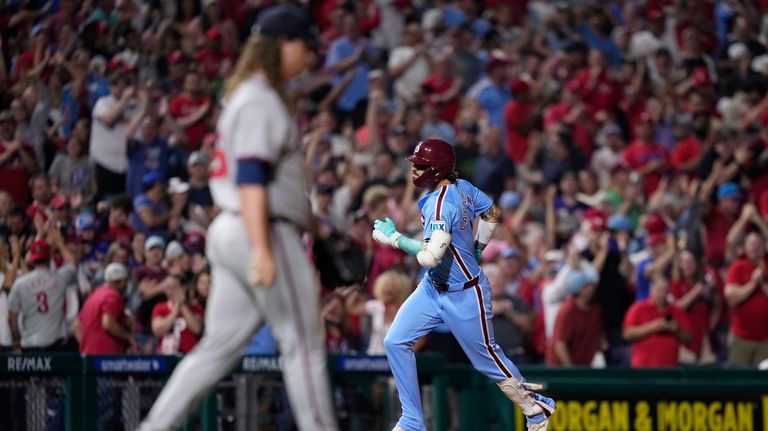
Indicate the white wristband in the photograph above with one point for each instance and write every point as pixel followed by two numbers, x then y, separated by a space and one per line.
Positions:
pixel 393 239
pixel 484 232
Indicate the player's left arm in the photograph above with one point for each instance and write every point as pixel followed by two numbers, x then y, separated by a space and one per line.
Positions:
pixel 490 217
pixel 486 226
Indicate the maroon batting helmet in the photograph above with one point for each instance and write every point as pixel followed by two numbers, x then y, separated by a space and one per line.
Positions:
pixel 437 158
pixel 39 251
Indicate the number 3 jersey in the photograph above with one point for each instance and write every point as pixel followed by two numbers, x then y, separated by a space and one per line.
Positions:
pixel 453 208
pixel 39 297
pixel 255 125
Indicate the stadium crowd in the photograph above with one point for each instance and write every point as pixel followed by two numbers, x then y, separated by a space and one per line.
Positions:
pixel 625 142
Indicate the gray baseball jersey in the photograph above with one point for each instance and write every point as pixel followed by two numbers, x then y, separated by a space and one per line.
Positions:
pixel 39 297
pixel 256 125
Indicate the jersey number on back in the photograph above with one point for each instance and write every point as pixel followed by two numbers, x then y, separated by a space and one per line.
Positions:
pixel 42 303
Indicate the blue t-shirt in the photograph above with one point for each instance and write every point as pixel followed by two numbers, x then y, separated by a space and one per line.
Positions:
pixel 440 130
pixel 493 99
pixel 144 158
pixel 142 202
pixel 97 87
pixel 71 109
pixel 358 88
pixel 642 282
pixel 453 209
pixel 612 52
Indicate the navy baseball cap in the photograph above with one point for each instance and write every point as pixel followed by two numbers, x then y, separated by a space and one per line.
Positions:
pixel 150 179
pixel 85 220
pixel 728 190
pixel 289 21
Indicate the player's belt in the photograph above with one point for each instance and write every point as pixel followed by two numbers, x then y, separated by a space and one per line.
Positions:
pixel 272 219
pixel 444 287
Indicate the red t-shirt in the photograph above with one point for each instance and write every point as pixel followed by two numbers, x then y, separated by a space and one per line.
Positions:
pixel 531 294
pixel 210 61
pixel 96 340
pixel 685 151
pixel 639 154
pixel 581 134
pixel 180 339
pixel 439 85
pixel 604 96
pixel 717 230
pixel 661 348
pixel 14 176
pixel 121 234
pixel 182 106
pixel 581 331
pixel 698 313
pixel 515 114
pixel 749 319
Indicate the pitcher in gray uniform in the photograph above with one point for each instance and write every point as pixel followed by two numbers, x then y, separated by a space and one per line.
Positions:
pixel 38 298
pixel 260 270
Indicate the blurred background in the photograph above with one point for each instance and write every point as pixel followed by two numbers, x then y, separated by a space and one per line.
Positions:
pixel 625 142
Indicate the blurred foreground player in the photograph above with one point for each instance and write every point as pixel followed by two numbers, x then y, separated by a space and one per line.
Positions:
pixel 260 271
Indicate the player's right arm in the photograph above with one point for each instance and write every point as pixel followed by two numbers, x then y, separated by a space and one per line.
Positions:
pixel 256 142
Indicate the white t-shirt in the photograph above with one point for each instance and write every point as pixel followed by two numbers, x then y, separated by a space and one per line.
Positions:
pixel 108 144
pixel 376 309
pixel 410 80
pixel 603 161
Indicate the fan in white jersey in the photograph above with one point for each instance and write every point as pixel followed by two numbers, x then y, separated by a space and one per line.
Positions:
pixel 259 269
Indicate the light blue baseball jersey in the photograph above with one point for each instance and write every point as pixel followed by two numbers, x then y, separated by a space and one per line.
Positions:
pixel 453 208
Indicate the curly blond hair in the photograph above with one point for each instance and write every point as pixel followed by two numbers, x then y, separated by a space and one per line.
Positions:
pixel 392 276
pixel 262 54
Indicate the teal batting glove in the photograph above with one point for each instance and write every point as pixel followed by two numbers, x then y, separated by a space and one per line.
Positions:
pixel 385 232
pixel 478 254
pixel 386 226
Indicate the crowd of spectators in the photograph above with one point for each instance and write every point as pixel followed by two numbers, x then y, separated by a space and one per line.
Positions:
pixel 625 142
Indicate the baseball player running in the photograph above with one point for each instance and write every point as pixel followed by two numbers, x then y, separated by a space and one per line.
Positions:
pixel 260 271
pixel 454 290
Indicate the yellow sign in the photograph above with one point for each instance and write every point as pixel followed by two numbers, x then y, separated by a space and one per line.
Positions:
pixel 666 415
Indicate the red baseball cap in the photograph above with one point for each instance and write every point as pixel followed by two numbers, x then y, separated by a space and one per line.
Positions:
pixel 194 242
pixel 596 218
pixel 517 86
pixel 495 62
pixel 115 64
pixel 654 224
pixel 58 202
pixel 175 57
pixel 700 77
pixel 39 251
pixel 213 33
